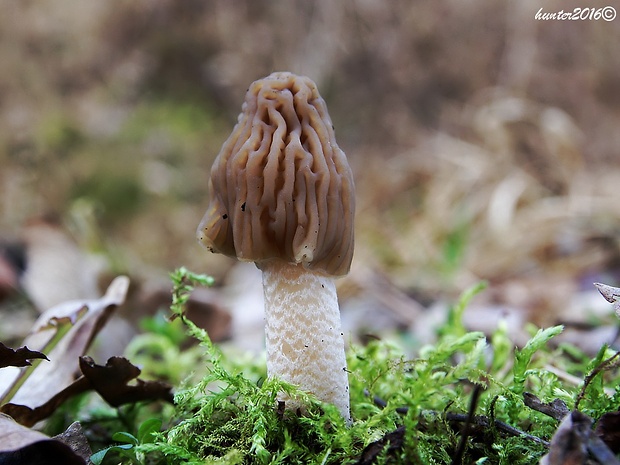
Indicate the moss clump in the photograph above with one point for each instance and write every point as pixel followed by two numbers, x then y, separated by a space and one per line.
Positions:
pixel 461 399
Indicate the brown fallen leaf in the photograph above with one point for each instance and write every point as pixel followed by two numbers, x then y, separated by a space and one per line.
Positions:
pixel 22 446
pixel 608 429
pixel 611 295
pixel 569 443
pixel 574 443
pixel 18 358
pixel 111 382
pixel 75 438
pixel 28 416
pixel 81 320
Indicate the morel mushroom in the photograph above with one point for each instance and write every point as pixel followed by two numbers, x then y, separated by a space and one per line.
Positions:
pixel 282 196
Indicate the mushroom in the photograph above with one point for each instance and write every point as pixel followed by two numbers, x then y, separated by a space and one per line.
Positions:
pixel 282 196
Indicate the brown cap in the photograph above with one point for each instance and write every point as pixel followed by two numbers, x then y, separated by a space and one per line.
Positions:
pixel 281 188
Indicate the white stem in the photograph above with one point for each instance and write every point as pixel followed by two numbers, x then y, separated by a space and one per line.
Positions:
pixel 305 343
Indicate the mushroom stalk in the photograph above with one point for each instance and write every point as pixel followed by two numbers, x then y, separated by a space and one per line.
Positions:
pixel 304 339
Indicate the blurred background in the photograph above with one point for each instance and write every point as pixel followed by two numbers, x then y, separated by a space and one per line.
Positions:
pixel 484 143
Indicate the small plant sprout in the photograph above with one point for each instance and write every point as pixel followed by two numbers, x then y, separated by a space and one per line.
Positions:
pixel 282 196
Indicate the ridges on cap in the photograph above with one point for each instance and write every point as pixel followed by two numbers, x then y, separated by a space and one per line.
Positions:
pixel 280 187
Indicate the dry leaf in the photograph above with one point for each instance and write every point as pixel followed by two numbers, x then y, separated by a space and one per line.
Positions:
pixel 30 416
pixel 611 294
pixel 83 319
pixel 574 443
pixel 111 382
pixel 22 446
pixel 18 358
pixel 569 443
pixel 75 438
pixel 608 429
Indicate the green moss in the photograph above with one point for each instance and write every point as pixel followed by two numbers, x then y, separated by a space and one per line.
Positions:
pixel 404 409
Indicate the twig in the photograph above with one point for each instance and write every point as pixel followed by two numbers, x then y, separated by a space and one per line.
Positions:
pixel 574 380
pixel 556 409
pixel 607 364
pixel 473 404
pixel 379 402
pixel 483 422
pixel 393 440
pixel 477 420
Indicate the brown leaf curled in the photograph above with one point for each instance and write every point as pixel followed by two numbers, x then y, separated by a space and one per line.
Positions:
pixel 21 445
pixel 18 358
pixel 111 382
pixel 574 443
pixel 611 295
pixel 608 429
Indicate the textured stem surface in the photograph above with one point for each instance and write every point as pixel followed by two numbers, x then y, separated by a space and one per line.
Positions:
pixel 305 343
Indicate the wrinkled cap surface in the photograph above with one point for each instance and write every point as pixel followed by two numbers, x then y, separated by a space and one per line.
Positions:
pixel 280 187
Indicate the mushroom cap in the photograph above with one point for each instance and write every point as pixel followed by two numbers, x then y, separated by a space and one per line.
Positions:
pixel 281 188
